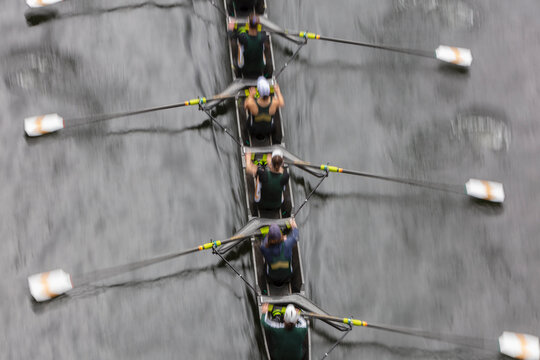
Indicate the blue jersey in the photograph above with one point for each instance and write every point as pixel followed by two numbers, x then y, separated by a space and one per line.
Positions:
pixel 272 252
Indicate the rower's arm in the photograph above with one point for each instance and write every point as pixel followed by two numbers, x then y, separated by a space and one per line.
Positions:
pixel 269 160
pixel 292 238
pixel 250 104
pixel 279 97
pixel 251 168
pixel 230 29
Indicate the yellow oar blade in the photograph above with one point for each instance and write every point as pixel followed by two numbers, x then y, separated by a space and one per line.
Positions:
pixel 48 285
pixel 485 190
pixel 41 3
pixel 454 55
pixel 519 346
pixel 44 124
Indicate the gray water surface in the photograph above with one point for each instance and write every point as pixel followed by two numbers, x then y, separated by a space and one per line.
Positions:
pixel 129 189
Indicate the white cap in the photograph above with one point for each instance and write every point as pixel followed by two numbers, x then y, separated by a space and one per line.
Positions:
pixel 277 152
pixel 291 315
pixel 263 87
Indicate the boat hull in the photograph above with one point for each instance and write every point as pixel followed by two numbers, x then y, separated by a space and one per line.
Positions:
pixel 265 289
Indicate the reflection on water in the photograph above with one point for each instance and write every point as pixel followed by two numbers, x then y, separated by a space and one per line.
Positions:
pixel 483 131
pixel 97 196
pixel 31 69
pixel 452 13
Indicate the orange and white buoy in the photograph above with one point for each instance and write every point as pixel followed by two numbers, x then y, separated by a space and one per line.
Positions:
pixel 485 190
pixel 519 346
pixel 44 124
pixel 48 285
pixel 41 3
pixel 454 55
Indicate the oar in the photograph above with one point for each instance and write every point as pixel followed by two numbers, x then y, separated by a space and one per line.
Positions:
pixel 272 27
pixel 46 124
pixel 448 54
pixel 41 3
pixel 481 189
pixel 516 345
pixel 48 285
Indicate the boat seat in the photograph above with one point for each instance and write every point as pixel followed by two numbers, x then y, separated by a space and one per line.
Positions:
pixel 282 290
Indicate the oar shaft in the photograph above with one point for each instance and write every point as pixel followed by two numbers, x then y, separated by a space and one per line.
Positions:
pixel 117 270
pixel 450 338
pixel 104 117
pixel 375 46
pixel 330 168
pixel 353 322
pixel 313 36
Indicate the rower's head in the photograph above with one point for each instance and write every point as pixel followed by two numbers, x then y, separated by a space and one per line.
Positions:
pixel 277 159
pixel 253 22
pixel 263 87
pixel 274 235
pixel 290 317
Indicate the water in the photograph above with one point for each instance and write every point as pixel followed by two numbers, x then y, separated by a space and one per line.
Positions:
pixel 133 188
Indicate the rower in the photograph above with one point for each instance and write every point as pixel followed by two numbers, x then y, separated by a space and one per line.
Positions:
pixel 270 181
pixel 251 60
pixel 277 250
pixel 263 109
pixel 285 339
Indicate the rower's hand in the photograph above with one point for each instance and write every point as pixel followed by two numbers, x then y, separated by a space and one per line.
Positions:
pixel 252 91
pixel 230 26
pixel 293 223
pixel 276 88
pixel 264 308
pixel 248 157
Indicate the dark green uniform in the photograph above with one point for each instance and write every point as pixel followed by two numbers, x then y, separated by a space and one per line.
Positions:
pixel 285 344
pixel 253 54
pixel 271 188
pixel 261 125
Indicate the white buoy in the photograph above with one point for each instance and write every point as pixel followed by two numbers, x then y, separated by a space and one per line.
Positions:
pixel 44 124
pixel 454 55
pixel 485 190
pixel 519 346
pixel 41 3
pixel 48 285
